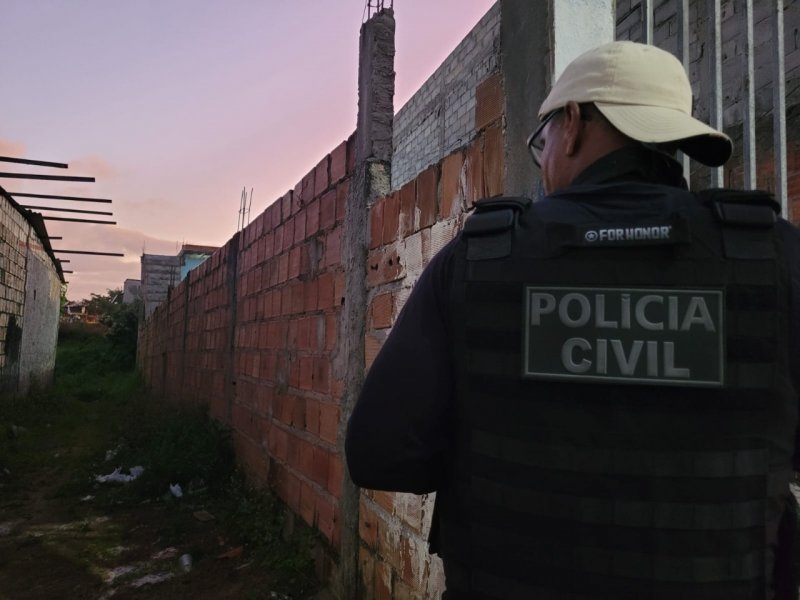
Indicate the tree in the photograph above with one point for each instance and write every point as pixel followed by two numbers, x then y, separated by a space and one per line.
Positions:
pixel 122 321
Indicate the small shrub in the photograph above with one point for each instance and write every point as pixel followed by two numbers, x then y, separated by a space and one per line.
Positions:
pixel 176 445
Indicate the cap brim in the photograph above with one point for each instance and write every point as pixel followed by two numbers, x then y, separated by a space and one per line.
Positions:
pixel 656 125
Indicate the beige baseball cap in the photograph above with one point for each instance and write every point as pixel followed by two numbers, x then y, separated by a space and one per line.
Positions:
pixel 645 93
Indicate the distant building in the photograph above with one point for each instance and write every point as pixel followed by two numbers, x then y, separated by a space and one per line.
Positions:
pixel 192 256
pixel 131 291
pixel 162 272
pixel 74 312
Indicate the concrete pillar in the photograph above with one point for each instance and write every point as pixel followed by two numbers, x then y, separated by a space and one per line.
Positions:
pixel 539 39
pixel 371 180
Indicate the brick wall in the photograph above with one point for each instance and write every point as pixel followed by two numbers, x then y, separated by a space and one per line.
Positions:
pixel 256 332
pixel 440 117
pixel 406 229
pixel 252 333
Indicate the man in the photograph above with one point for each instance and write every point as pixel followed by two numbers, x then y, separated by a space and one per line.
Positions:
pixel 601 387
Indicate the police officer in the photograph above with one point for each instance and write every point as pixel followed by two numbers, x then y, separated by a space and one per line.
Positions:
pixel 601 387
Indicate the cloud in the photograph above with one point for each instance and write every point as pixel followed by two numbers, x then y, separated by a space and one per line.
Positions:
pixel 93 166
pixel 13 149
pixel 96 274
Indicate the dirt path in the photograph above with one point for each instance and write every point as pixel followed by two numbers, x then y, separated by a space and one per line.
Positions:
pixel 63 535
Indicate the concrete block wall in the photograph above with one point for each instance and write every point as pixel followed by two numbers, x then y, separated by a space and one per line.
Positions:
pixel 29 304
pixel 40 318
pixel 14 234
pixel 440 117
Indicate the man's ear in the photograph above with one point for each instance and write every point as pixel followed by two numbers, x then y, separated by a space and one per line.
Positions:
pixel 572 128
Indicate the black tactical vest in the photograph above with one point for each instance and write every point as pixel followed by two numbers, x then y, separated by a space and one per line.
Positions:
pixel 625 412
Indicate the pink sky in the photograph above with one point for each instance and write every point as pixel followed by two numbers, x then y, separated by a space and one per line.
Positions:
pixel 176 106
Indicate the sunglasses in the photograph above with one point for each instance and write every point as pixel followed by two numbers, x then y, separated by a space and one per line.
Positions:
pixel 535 140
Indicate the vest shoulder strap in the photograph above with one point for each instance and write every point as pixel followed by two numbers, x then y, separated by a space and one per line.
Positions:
pixel 489 230
pixel 747 217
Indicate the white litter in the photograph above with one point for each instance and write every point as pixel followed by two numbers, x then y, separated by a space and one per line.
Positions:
pixel 170 552
pixel 118 476
pixel 110 454
pixel 117 572
pixel 87 498
pixel 175 490
pixel 151 579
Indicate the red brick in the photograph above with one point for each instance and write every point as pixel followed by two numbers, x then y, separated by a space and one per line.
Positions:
pixel 335 475
pixel 297 299
pixel 304 334
pixel 383 266
pixel 376 224
pixel 382 310
pixel 342 191
pixel 366 568
pixel 322 375
pixel 494 161
pixel 327 209
pixel 278 443
pixel 319 466
pixel 383 581
pixel 328 422
pixel 312 416
pixel 488 100
pixel 286 300
pixel 339 162
pixel 321 180
pixel 306 372
pixel 294 263
pixel 312 218
pixel 278 239
pixel 408 203
pixel 300 227
pixel 283 267
pixel 325 297
pixel 451 185
pixel 333 247
pixel 276 303
pixel 288 233
pixel 368 524
pixel 286 205
pixel 310 292
pixel 475 189
pixel 339 287
pixel 427 187
pixel 304 192
pixel 372 345
pixel 385 500
pixel 391 218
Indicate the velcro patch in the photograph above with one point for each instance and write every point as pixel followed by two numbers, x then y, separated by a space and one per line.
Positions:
pixel 625 335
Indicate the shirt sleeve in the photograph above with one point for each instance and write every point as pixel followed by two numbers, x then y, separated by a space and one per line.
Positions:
pixel 398 433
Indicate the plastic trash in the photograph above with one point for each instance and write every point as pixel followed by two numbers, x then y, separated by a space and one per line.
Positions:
pixel 186 562
pixel 119 477
pixel 175 490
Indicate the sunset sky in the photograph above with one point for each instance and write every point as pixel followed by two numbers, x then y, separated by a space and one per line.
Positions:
pixel 175 106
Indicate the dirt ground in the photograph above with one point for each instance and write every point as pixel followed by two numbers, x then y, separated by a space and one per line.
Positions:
pixel 63 535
